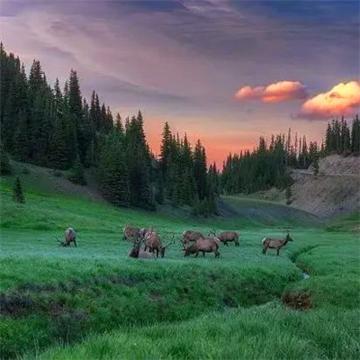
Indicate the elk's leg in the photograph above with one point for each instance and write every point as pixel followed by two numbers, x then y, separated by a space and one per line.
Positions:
pixel 225 243
pixel 264 250
pixel 277 252
pixel 217 254
pixel 197 253
pixel 75 243
pixel 203 253
pixel 237 243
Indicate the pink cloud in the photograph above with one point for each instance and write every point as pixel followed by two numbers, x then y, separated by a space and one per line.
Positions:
pixel 272 93
pixel 342 99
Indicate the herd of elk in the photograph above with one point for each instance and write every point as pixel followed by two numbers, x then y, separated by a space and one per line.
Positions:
pixel 277 244
pixel 194 242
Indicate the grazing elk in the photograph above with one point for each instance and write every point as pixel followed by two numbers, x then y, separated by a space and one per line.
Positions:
pixel 138 253
pixel 191 236
pixel 204 245
pixel 153 243
pixel 227 236
pixel 70 237
pixel 131 233
pixel 271 243
pixel 143 232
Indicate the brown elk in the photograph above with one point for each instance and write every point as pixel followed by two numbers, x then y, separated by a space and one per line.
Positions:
pixel 153 243
pixel 277 244
pixel 191 236
pixel 204 245
pixel 131 233
pixel 138 253
pixel 144 231
pixel 227 236
pixel 70 237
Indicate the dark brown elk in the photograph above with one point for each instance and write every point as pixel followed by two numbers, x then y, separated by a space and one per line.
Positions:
pixel 138 253
pixel 227 236
pixel 273 243
pixel 191 236
pixel 153 243
pixel 204 245
pixel 70 237
pixel 131 233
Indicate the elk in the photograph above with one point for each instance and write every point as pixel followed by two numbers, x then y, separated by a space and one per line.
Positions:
pixel 131 233
pixel 227 236
pixel 204 245
pixel 144 231
pixel 272 243
pixel 70 237
pixel 191 236
pixel 138 253
pixel 153 243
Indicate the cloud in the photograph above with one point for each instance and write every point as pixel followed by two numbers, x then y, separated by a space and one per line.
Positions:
pixel 276 92
pixel 342 99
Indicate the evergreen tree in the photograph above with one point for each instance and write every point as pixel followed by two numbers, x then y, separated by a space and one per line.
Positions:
pixel 77 175
pixel 355 136
pixel 18 195
pixel 5 167
pixel 288 195
pixel 112 170
pixel 316 166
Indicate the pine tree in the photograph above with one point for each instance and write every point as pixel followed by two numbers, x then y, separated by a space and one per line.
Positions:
pixel 355 136
pixel 77 175
pixel 112 171
pixel 288 195
pixel 316 166
pixel 5 167
pixel 18 195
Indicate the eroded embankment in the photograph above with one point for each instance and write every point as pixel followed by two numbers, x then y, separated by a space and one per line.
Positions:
pixel 68 311
pixel 293 296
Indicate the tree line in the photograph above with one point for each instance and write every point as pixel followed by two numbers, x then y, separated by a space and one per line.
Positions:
pixel 58 128
pixel 268 165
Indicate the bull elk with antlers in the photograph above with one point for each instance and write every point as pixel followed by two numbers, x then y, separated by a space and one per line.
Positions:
pixel 273 243
pixel 153 243
pixel 227 236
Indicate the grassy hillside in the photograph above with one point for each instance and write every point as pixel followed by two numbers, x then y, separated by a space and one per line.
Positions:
pixel 241 304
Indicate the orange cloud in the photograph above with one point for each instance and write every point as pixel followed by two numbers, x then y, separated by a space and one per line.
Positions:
pixel 277 92
pixel 342 99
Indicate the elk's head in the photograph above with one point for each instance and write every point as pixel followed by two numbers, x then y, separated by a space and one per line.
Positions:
pixel 212 233
pixel 288 237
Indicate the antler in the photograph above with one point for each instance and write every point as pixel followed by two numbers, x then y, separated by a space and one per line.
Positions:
pixel 212 232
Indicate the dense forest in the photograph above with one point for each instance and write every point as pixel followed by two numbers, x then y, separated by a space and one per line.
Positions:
pixel 58 128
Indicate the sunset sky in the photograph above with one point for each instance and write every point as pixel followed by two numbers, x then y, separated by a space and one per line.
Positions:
pixel 224 71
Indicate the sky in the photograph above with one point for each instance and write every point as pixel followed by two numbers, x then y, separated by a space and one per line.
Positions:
pixel 223 71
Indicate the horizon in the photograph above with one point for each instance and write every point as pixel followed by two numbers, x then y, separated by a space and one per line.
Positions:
pixel 299 69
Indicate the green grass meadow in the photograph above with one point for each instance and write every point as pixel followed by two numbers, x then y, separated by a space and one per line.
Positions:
pixel 93 302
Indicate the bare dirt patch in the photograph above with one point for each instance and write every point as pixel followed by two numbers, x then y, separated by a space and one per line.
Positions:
pixel 297 300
